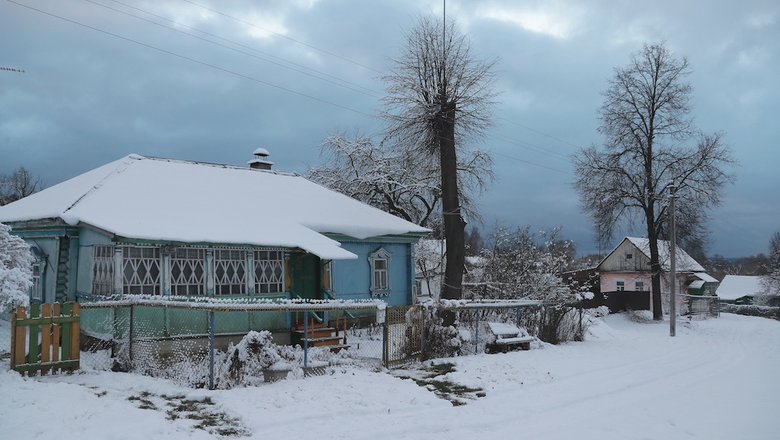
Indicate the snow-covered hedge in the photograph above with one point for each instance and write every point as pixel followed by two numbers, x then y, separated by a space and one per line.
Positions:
pixel 751 310
pixel 15 270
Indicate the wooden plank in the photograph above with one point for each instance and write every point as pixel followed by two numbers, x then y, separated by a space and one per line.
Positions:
pixel 65 333
pixel 55 335
pixel 13 339
pixel 45 337
pixel 32 350
pixel 20 348
pixel 75 326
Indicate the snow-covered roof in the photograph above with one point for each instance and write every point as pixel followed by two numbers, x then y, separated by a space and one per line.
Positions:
pixel 705 277
pixel 696 284
pixel 161 199
pixel 683 262
pixel 261 152
pixel 736 286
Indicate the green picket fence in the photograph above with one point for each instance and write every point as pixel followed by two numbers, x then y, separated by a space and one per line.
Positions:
pixel 46 340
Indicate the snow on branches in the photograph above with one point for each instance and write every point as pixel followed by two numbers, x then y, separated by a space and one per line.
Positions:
pixel 15 270
pixel 521 264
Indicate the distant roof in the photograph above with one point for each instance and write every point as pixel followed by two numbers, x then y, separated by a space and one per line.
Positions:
pixel 174 200
pixel 705 277
pixel 737 286
pixel 683 262
pixel 261 152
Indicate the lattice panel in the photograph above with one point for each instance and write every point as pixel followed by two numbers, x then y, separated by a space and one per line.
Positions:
pixel 141 270
pixel 188 272
pixel 230 272
pixel 102 270
pixel 269 271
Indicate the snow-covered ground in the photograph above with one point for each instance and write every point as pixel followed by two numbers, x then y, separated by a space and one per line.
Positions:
pixel 718 379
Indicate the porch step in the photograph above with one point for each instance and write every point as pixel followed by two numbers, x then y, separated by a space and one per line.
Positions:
pixel 324 341
pixel 316 332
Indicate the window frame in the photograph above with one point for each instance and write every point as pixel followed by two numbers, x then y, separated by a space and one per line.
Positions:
pixel 620 286
pixel 380 278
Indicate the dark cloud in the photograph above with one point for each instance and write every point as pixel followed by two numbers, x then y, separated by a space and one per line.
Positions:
pixel 87 97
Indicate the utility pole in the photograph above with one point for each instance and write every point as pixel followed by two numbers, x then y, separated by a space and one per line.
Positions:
pixel 672 258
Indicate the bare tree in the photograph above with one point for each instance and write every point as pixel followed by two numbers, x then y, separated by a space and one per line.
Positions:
pixel 438 97
pixel 18 185
pixel 395 179
pixel 650 145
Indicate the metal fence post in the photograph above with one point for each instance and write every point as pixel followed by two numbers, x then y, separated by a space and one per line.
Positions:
pixel 306 339
pixel 385 343
pixel 211 349
pixel 130 335
pixel 476 334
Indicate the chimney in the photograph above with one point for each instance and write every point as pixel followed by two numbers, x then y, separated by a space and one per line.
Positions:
pixel 260 161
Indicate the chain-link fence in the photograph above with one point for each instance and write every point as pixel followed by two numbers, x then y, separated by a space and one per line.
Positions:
pixel 202 343
pixel 552 323
pixel 701 306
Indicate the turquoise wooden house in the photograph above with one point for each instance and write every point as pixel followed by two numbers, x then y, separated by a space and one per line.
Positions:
pixel 174 228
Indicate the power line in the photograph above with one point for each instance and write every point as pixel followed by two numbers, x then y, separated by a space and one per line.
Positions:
pixel 529 162
pixel 193 60
pixel 302 43
pixel 338 81
pixel 530 146
pixel 331 53
pixel 540 132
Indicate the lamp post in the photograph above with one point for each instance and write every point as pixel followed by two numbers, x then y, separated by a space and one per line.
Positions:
pixel 672 268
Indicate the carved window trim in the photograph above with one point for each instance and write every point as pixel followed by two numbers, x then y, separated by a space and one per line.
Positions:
pixel 379 261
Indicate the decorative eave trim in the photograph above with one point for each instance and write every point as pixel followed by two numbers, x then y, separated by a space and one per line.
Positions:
pixel 409 237
pixel 50 227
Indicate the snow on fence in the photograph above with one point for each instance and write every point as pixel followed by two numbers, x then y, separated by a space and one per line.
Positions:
pixel 548 322
pixel 46 340
pixel 192 339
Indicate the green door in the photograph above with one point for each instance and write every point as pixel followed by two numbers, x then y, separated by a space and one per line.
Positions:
pixel 305 276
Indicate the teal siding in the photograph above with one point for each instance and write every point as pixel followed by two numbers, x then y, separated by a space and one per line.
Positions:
pixel 352 278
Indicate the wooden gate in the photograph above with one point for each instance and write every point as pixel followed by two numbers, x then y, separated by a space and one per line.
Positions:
pixel 47 340
pixel 403 335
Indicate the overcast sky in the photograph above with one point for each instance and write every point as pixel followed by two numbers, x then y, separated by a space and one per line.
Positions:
pixel 213 80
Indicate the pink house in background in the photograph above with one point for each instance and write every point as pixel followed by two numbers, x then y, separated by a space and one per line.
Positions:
pixel 626 271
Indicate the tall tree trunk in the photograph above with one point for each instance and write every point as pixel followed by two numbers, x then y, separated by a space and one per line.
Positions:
pixel 655 268
pixel 454 225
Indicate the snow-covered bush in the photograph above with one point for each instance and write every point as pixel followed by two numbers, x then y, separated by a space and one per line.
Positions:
pixel 15 270
pixel 439 340
pixel 245 362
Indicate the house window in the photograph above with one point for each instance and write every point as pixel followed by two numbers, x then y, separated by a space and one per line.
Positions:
pixel 141 270
pixel 102 270
pixel 188 271
pixel 380 272
pixel 621 286
pixel 629 256
pixel 36 292
pixel 639 286
pixel 269 271
pixel 229 272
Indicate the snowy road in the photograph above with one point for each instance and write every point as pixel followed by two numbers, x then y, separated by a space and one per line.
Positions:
pixel 717 379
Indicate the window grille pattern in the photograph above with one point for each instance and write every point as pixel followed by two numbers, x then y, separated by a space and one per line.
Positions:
pixel 229 272
pixel 380 272
pixel 102 270
pixel 141 270
pixel 269 271
pixel 621 286
pixel 37 292
pixel 188 272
